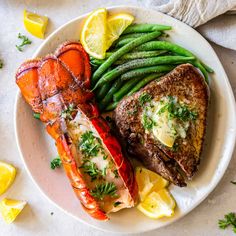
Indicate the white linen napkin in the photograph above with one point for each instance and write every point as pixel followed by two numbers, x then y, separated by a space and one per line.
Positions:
pixel 220 28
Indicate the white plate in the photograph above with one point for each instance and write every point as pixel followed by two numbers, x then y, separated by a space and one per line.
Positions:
pixel 37 148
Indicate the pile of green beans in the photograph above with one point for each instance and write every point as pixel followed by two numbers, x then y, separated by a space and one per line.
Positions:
pixel 134 60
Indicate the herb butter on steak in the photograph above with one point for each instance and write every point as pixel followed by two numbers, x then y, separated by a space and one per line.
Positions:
pixel 164 124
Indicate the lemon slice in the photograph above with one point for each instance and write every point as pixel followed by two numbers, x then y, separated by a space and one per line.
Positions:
pixel 116 24
pixel 7 176
pixel 158 204
pixel 163 134
pixel 35 24
pixel 148 181
pixel 93 35
pixel 10 209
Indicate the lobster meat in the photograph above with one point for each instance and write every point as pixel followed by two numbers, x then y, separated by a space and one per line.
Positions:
pixel 58 88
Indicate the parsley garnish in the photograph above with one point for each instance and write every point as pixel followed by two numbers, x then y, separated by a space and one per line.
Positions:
pixel 36 116
pixel 104 189
pixel 148 123
pixel 144 97
pixel 104 171
pixel 178 111
pixel 229 219
pixel 55 163
pixel 89 144
pixel 1 64
pixel 117 204
pixel 67 113
pixel 91 169
pixel 24 42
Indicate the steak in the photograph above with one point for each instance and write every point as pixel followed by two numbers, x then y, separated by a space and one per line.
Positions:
pixel 187 85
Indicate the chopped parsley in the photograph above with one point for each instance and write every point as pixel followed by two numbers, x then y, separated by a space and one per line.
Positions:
pixel 144 98
pixel 36 116
pixel 24 42
pixel 229 219
pixel 56 163
pixel 104 189
pixel 117 204
pixel 148 123
pixel 67 113
pixel 104 171
pixel 177 110
pixel 89 144
pixel 91 169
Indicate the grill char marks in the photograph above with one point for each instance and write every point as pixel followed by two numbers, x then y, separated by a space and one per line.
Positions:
pixel 187 84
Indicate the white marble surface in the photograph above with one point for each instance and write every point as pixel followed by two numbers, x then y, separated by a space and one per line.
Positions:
pixel 40 217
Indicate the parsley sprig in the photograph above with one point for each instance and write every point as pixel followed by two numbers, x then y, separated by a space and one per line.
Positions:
pixel 144 98
pixel 148 123
pixel 56 163
pixel 91 169
pixel 25 41
pixel 104 189
pixel 89 144
pixel 229 219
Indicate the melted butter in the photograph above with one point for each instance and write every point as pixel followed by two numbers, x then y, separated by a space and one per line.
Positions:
pixel 160 125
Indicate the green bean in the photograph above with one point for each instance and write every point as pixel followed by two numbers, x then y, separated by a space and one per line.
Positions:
pixel 125 89
pixel 139 55
pixel 96 62
pixel 143 82
pixel 144 28
pixel 156 45
pixel 122 51
pixel 111 106
pixel 138 63
pixel 208 68
pixel 202 69
pixel 164 45
pixel 108 98
pixel 103 91
pixel 133 35
pixel 123 42
pixel 145 71
pixel 129 56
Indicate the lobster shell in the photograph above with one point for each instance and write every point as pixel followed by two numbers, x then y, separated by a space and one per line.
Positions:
pixel 49 85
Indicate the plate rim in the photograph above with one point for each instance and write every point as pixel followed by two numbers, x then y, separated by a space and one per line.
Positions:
pixel 230 147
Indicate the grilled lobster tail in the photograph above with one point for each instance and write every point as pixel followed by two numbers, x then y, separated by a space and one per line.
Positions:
pixel 57 87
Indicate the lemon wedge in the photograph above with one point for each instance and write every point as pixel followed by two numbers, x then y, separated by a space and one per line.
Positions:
pixel 148 181
pixel 7 176
pixel 116 24
pixel 10 209
pixel 93 35
pixel 35 24
pixel 158 204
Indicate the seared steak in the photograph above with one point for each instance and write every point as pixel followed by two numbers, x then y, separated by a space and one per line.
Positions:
pixel 185 86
